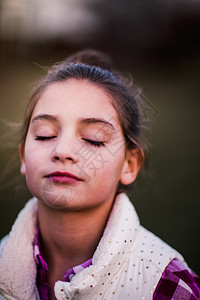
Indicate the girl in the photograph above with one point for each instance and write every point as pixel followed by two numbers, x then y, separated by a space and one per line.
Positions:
pixel 80 237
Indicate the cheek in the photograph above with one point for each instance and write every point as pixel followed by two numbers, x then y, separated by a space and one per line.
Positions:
pixel 110 168
pixel 30 173
pixel 33 162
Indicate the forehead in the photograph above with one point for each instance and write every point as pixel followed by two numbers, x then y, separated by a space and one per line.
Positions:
pixel 76 99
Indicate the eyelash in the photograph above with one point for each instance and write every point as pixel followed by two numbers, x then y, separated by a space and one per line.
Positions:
pixel 91 142
pixel 44 138
pixel 95 143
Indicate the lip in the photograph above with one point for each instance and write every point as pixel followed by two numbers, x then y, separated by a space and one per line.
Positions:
pixel 63 177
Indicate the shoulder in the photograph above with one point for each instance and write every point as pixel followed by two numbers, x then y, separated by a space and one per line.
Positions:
pixel 149 258
pixel 154 250
pixel 178 282
pixel 24 223
pixel 3 242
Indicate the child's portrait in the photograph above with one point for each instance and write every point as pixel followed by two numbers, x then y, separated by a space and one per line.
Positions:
pixel 83 154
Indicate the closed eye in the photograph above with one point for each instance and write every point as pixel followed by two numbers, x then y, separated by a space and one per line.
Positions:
pixel 95 143
pixel 44 138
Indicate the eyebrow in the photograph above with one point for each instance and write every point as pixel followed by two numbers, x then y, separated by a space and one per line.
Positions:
pixel 89 121
pixel 46 117
pixel 84 121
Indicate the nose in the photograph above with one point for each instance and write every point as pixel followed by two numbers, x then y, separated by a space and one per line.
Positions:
pixel 65 149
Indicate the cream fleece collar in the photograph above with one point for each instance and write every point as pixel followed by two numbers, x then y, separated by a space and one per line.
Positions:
pixel 18 268
pixel 17 265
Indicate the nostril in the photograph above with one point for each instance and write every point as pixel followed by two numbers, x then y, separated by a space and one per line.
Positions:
pixel 69 158
pixel 66 158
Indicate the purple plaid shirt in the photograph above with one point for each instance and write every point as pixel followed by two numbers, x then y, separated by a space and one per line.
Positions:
pixel 177 282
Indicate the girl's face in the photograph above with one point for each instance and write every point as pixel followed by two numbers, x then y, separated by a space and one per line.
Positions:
pixel 74 155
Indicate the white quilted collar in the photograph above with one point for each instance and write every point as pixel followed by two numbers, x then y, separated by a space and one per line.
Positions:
pixel 116 245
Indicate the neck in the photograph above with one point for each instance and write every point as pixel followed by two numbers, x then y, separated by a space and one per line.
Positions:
pixel 70 237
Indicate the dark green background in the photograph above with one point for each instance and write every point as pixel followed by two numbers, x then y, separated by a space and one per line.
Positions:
pixel 159 46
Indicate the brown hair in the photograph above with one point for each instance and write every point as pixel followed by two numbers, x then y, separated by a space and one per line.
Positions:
pixel 96 67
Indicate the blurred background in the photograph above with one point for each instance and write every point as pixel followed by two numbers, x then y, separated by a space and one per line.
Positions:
pixel 158 43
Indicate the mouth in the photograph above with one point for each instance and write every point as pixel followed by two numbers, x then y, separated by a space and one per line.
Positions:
pixel 63 177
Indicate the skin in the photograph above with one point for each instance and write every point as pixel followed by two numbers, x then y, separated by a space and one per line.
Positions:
pixel 74 128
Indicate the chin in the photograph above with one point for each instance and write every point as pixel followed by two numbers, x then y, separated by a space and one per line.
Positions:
pixel 59 199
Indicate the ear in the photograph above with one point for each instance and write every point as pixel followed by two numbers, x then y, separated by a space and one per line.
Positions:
pixel 22 159
pixel 131 166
